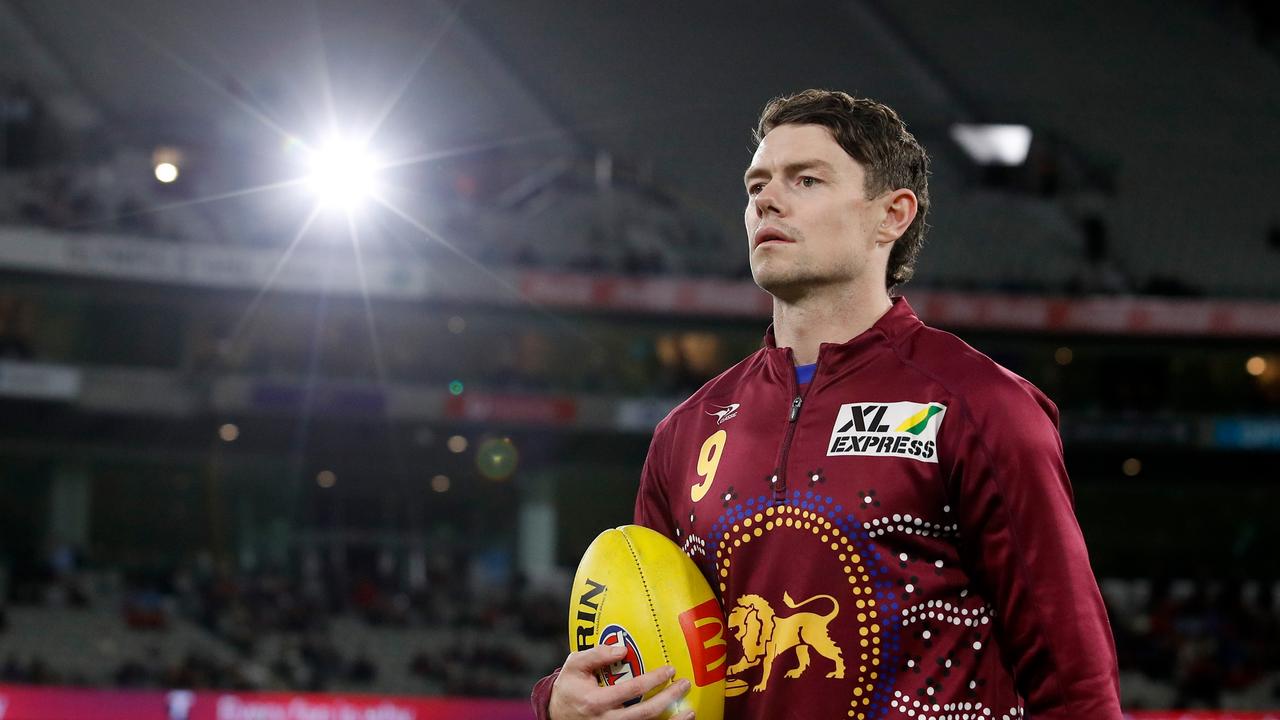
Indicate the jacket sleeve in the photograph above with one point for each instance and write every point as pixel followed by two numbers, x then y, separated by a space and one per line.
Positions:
pixel 541 696
pixel 651 511
pixel 1023 547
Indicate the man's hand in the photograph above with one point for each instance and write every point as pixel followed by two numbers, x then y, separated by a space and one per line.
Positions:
pixel 578 696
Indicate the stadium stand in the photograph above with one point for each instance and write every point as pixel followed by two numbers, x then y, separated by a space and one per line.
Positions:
pixel 167 420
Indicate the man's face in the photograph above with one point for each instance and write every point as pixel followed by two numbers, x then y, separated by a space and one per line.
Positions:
pixel 808 220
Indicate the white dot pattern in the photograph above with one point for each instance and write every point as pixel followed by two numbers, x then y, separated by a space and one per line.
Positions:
pixel 694 546
pixel 947 613
pixel 968 710
pixel 909 525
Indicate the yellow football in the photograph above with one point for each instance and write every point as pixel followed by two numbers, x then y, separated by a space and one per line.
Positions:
pixel 637 588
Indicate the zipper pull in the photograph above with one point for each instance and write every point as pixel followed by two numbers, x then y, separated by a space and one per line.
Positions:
pixel 795 408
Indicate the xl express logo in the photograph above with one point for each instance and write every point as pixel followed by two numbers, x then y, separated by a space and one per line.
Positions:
pixel 900 429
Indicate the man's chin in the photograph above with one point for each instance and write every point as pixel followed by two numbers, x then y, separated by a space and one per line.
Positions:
pixel 781 286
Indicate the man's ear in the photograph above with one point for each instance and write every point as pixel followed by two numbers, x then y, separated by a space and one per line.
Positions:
pixel 900 209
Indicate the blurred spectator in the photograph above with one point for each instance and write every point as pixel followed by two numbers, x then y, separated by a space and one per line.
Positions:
pixel 362 669
pixel 144 609
pixel 21 121
pixel 1098 273
pixel 15 337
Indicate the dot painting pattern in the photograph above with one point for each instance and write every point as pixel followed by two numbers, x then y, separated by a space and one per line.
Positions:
pixel 883 607
pixel 946 612
pixel 911 526
pixel 694 546
pixel 874 663
pixel 908 707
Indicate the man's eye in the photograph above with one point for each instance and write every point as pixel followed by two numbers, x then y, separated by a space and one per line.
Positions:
pixel 755 189
pixel 809 181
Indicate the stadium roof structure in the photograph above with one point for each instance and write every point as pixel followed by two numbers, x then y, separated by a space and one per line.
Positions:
pixel 1172 95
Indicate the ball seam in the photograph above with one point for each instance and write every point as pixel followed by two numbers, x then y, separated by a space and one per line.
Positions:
pixel 653 613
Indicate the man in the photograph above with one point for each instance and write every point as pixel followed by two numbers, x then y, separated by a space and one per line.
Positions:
pixel 885 511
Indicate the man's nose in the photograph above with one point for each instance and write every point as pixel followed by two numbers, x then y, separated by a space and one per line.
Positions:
pixel 766 201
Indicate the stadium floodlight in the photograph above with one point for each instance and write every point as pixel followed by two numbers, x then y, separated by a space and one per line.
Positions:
pixel 166 172
pixel 343 174
pixel 166 162
pixel 990 144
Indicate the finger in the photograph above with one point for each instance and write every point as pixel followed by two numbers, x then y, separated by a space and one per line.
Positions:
pixel 654 706
pixel 593 659
pixel 639 685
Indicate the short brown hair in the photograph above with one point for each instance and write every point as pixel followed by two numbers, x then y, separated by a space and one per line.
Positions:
pixel 874 135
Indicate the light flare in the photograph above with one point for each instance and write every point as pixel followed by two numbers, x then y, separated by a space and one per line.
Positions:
pixel 344 174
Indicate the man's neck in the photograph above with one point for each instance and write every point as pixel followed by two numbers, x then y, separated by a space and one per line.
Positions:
pixel 832 316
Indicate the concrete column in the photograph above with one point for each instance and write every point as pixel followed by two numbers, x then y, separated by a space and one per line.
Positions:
pixel 69 497
pixel 536 533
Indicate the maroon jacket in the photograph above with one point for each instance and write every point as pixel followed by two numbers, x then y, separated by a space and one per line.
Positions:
pixel 894 539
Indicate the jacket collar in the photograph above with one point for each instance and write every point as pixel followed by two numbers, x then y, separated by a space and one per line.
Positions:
pixel 899 320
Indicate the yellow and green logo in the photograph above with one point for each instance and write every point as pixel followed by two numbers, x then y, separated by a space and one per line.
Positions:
pixel 918 421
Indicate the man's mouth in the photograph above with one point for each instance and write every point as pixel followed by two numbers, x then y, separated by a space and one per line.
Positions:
pixel 769 235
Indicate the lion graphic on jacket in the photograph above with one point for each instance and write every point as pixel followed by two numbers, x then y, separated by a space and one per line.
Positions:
pixel 764 635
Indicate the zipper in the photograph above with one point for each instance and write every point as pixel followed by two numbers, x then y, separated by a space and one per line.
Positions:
pixel 779 479
pixel 795 408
